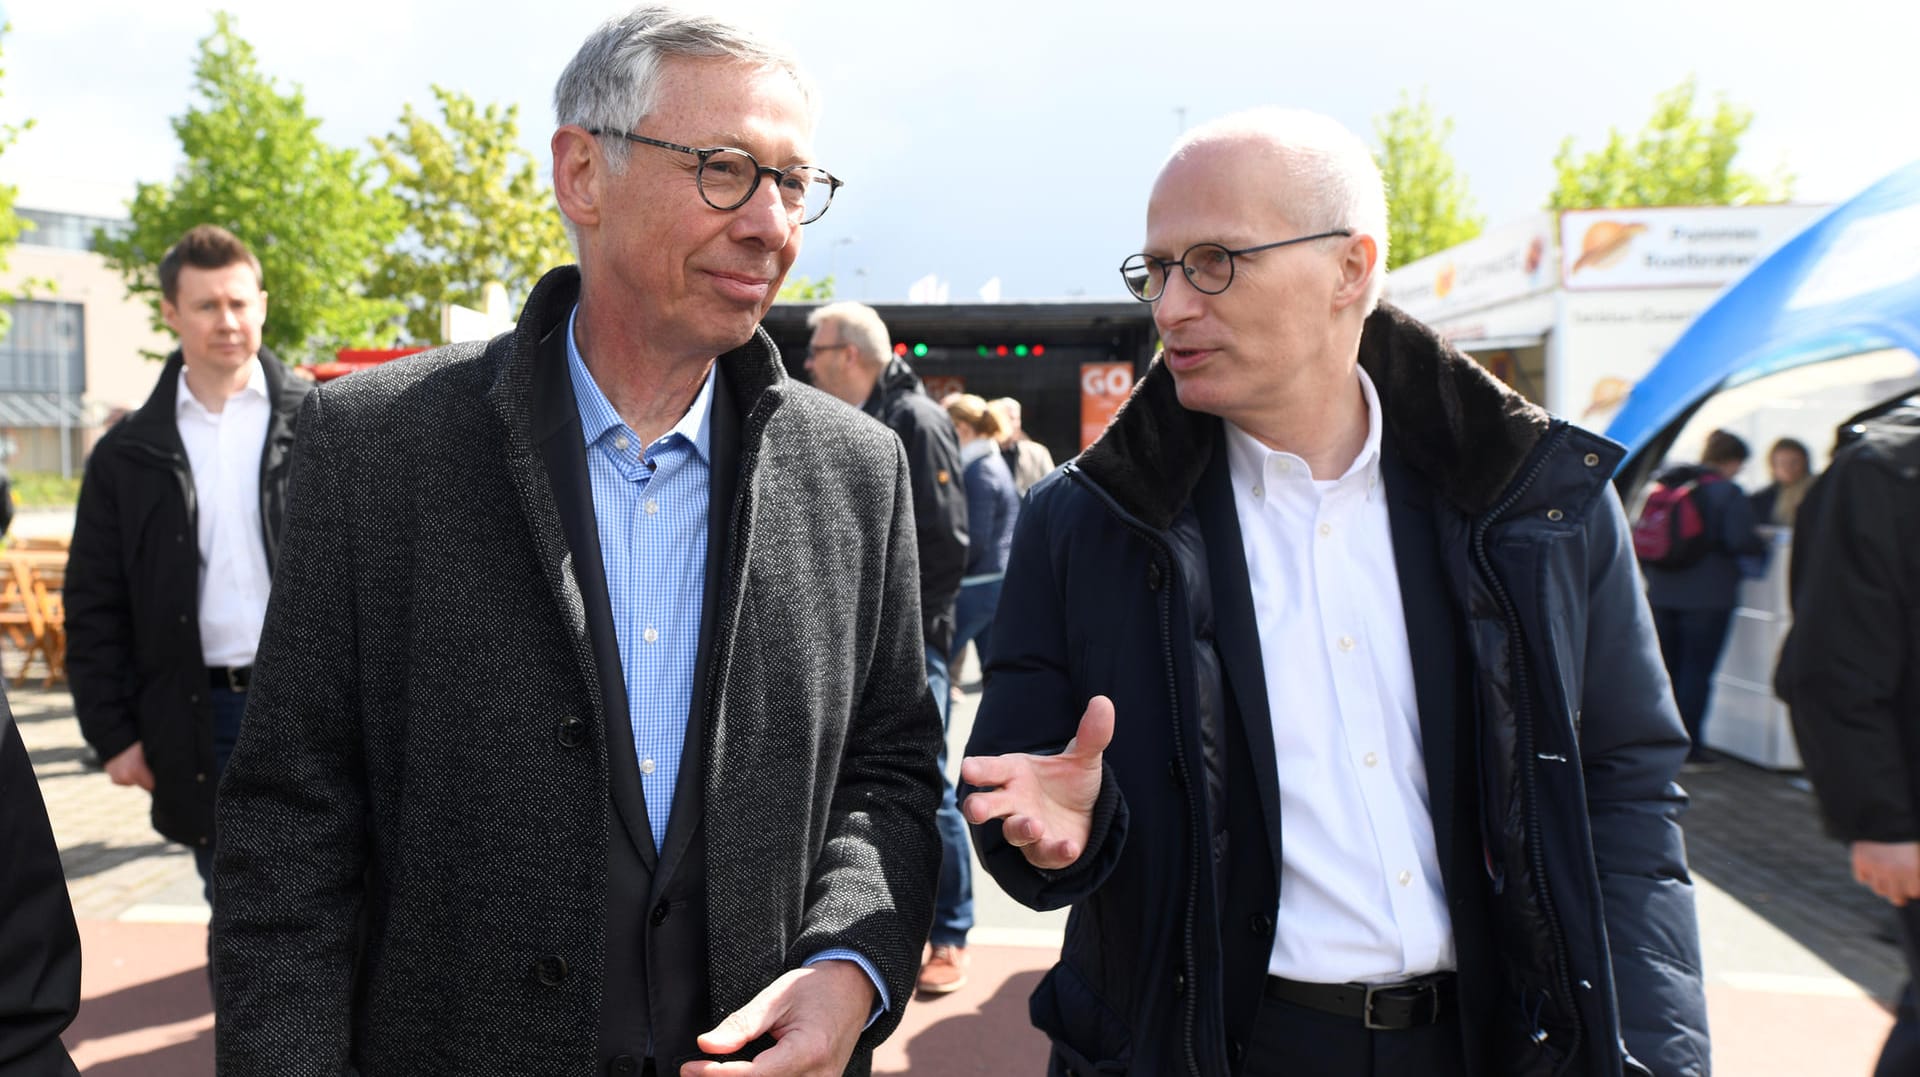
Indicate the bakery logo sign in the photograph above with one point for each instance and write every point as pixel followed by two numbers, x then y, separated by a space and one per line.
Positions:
pixel 1682 247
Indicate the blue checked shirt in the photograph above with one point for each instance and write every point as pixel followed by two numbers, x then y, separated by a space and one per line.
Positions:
pixel 650 504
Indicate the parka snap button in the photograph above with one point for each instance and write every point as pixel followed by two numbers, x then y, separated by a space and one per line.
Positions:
pixel 1555 514
pixel 1153 577
pixel 1180 983
pixel 1593 459
pixel 1262 924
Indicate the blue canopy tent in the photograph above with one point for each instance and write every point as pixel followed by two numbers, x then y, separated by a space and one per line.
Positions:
pixel 1848 284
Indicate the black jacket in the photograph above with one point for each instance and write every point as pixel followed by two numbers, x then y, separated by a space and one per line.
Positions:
pixel 1850 669
pixel 939 499
pixel 39 944
pixel 1550 736
pixel 132 595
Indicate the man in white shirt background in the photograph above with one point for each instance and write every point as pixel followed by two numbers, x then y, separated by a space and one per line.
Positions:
pixel 174 539
pixel 1323 687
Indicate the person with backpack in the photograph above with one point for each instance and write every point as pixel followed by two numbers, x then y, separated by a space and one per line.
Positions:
pixel 1696 525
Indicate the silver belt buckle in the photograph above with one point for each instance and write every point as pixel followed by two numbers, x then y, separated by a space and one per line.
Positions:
pixel 1366 1009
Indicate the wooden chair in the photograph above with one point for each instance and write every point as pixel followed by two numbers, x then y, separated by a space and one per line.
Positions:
pixel 32 614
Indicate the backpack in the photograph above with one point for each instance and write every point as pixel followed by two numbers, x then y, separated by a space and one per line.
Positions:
pixel 1672 529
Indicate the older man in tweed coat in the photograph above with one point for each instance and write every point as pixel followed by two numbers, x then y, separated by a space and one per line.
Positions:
pixel 451 842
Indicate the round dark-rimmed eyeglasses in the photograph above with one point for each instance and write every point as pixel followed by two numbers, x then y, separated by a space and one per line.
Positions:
pixel 727 177
pixel 1207 266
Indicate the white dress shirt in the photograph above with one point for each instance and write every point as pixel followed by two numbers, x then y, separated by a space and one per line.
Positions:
pixel 1361 897
pixel 223 450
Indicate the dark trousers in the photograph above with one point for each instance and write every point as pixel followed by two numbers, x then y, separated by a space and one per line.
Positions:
pixel 1296 1041
pixel 228 707
pixel 1901 1056
pixel 953 895
pixel 1690 643
pixel 973 618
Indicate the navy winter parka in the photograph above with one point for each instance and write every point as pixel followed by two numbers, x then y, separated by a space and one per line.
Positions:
pixel 1586 906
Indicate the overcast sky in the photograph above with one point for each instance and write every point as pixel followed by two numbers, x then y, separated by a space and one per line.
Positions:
pixel 1014 139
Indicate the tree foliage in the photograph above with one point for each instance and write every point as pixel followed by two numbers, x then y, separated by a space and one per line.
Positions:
pixel 801 289
pixel 1428 206
pixel 255 165
pixel 1678 159
pixel 10 223
pixel 476 211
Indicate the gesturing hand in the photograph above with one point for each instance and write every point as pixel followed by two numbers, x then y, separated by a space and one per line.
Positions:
pixel 1045 802
pixel 815 1013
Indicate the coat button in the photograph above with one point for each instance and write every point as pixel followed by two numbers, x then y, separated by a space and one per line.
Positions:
pixel 1261 924
pixel 623 1064
pixel 200 778
pixel 572 732
pixel 1555 514
pixel 660 913
pixel 550 971
pixel 1593 459
pixel 183 618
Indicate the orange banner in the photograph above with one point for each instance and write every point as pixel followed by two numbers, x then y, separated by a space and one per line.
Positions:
pixel 1103 388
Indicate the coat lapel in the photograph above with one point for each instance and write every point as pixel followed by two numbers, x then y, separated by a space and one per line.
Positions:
pixel 556 427
pixel 1431 641
pixel 1237 634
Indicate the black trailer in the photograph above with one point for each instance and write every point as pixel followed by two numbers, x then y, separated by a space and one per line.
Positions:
pixel 1029 351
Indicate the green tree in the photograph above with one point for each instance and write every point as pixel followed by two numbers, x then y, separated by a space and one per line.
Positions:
pixel 801 289
pixel 476 211
pixel 1679 159
pixel 255 164
pixel 10 223
pixel 1428 206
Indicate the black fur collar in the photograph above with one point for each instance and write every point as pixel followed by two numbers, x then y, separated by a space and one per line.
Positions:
pixel 1458 426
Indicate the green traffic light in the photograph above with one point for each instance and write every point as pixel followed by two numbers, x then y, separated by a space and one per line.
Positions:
pixel 919 350
pixel 982 349
pixel 1019 349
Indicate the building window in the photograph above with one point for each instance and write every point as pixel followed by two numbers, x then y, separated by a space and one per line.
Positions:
pixel 46 346
pixel 66 231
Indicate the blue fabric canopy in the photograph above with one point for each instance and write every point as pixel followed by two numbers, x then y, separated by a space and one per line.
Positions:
pixel 1848 284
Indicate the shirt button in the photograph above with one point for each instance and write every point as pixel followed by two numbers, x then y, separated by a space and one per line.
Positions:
pixel 621 443
pixel 1406 878
pixel 1325 530
pixel 652 506
pixel 1284 467
pixel 646 766
pixel 1259 491
pixel 651 635
pixel 1346 643
pixel 1371 759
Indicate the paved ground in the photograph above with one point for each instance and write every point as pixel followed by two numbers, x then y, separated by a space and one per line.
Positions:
pixel 1799 960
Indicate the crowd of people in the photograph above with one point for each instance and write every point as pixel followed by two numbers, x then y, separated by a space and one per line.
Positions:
pixel 578 701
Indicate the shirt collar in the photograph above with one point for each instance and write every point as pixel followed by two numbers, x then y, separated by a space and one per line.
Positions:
pixel 183 397
pixel 1247 456
pixel 597 414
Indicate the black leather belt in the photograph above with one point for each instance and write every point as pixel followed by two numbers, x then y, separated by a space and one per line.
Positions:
pixel 232 678
pixel 1422 1001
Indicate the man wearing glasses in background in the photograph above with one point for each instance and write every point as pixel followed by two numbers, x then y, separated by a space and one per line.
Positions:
pixel 573 748
pixel 1323 685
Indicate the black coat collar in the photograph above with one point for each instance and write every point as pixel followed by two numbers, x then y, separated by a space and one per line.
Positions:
pixel 157 421
pixel 1460 428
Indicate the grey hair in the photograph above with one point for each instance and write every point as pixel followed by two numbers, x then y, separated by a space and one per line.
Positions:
pixel 860 326
pixel 613 82
pixel 1335 184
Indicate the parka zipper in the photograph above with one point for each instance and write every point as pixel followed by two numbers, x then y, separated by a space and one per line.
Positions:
pixel 1187 986
pixel 182 473
pixel 1523 739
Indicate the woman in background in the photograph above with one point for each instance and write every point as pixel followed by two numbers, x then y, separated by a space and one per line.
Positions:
pixel 992 504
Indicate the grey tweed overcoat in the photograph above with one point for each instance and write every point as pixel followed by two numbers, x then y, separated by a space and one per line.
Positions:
pixel 412 867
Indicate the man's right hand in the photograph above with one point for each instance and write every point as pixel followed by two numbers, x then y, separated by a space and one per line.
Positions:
pixel 130 768
pixel 1045 802
pixel 1890 869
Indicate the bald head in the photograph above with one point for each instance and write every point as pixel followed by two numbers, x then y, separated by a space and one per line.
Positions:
pixel 1321 177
